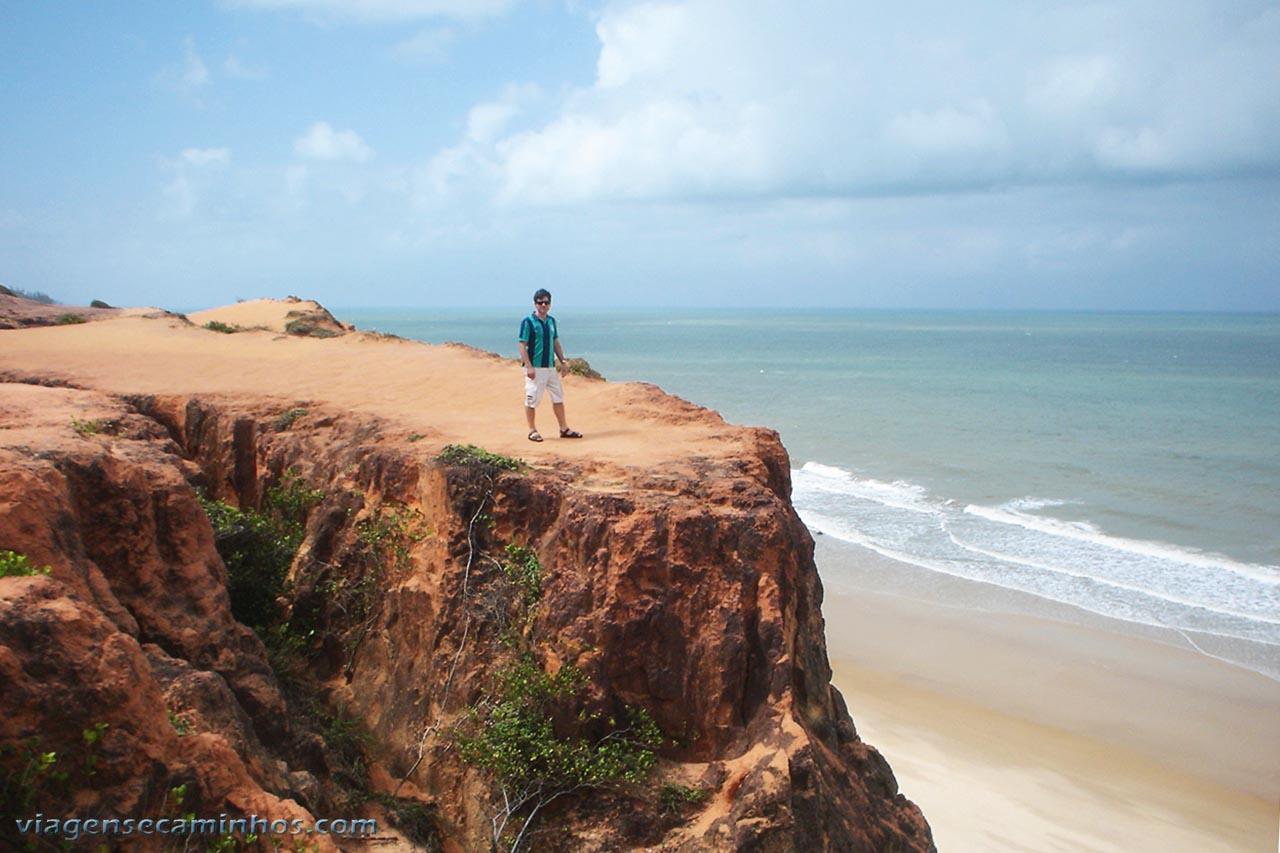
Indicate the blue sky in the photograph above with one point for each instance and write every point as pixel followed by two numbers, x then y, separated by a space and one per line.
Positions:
pixel 1003 154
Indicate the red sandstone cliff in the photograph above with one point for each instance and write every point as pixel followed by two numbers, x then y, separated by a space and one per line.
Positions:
pixel 685 588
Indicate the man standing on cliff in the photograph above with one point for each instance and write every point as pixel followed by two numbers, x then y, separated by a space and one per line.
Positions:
pixel 539 350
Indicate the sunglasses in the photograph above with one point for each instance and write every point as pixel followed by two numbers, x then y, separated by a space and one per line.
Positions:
pixel 542 302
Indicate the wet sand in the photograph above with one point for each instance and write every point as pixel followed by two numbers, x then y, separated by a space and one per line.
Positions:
pixel 1017 732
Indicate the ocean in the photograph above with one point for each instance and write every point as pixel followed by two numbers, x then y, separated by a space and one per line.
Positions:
pixel 1122 467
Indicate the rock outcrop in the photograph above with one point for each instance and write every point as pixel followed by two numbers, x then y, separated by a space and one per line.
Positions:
pixel 291 315
pixel 129 631
pixel 687 591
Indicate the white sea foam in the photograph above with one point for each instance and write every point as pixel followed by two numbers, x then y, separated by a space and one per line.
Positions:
pixel 1031 504
pixel 1137 589
pixel 840 530
pixel 1068 561
pixel 1085 532
pixel 817 477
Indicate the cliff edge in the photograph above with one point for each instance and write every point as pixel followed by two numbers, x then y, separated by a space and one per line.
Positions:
pixel 648 591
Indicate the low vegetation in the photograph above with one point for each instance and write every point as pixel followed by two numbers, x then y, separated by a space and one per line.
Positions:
pixel 94 426
pixel 290 501
pixel 15 565
pixel 36 777
pixel 536 750
pixel 389 532
pixel 525 571
pixel 580 367
pixel 287 420
pixel 477 457
pixel 257 551
pixel 259 547
pixel 70 319
pixel 219 326
pixel 672 799
pixel 308 329
pixel 533 734
pixel 34 296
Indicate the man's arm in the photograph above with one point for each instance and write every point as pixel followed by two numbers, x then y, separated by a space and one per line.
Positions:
pixel 524 358
pixel 560 355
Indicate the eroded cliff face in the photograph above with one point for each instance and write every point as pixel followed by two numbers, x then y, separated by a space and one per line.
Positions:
pixel 688 592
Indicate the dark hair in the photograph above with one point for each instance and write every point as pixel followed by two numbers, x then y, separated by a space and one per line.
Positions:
pixel 542 293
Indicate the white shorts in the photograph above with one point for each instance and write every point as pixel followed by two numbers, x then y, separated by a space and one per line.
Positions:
pixel 544 379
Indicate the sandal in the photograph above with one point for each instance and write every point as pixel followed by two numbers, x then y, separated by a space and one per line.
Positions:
pixel 568 433
pixel 534 436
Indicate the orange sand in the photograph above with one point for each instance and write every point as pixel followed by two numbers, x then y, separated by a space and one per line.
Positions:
pixel 448 394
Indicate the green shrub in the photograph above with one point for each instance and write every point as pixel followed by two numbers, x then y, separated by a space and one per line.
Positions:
pixel 286 420
pixel 308 329
pixel 257 551
pixel 478 457
pixel 219 326
pixel 14 565
pixel 93 427
pixel 672 799
pixel 389 533
pixel 180 724
pixel 259 547
pixel 579 367
pixel 347 743
pixel 524 569
pixel 34 777
pixel 420 823
pixel 290 501
pixel 70 319
pixel 514 738
pixel 31 778
pixel 98 303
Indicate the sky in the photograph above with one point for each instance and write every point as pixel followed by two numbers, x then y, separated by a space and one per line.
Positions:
pixel 1004 154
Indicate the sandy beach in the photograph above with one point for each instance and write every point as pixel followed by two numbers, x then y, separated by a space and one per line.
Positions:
pixel 1016 732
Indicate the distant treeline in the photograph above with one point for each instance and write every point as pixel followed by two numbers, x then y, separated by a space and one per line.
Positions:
pixel 37 296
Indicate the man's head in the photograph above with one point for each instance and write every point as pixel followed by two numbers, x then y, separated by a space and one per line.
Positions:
pixel 542 301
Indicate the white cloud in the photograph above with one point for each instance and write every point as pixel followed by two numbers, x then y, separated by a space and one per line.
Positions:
pixel 235 68
pixel 1070 87
pixel 660 148
pixel 1144 149
pixel 429 46
pixel 487 121
pixel 206 156
pixel 716 98
pixel 191 76
pixel 473 158
pixel 191 175
pixel 972 128
pixel 322 142
pixel 639 41
pixel 194 72
pixel 383 10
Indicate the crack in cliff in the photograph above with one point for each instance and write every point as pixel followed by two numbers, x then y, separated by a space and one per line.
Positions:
pixel 466 632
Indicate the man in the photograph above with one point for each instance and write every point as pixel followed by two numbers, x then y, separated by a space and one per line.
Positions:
pixel 539 349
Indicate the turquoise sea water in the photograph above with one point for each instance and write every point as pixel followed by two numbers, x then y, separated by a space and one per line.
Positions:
pixel 1126 465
